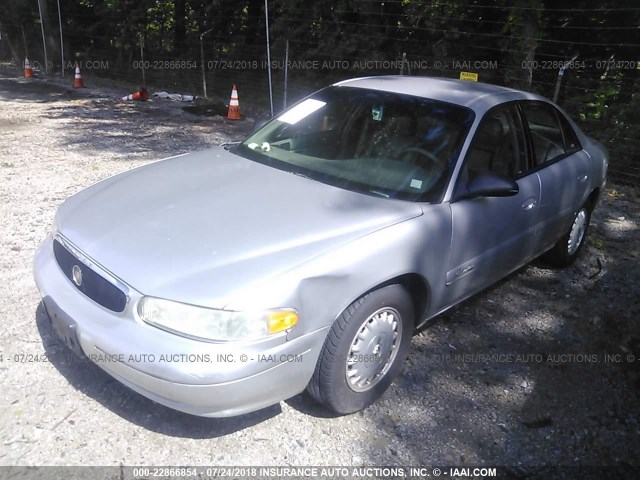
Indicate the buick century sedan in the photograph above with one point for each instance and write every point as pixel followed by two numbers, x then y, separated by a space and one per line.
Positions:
pixel 305 257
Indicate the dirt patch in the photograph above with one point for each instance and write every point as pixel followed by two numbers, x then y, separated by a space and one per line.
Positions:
pixel 541 369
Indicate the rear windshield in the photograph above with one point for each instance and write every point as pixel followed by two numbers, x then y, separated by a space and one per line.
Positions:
pixel 386 144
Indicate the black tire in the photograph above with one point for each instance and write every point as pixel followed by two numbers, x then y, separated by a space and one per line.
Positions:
pixel 386 349
pixel 565 252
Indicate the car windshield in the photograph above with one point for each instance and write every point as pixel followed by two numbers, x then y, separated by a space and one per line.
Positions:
pixel 382 143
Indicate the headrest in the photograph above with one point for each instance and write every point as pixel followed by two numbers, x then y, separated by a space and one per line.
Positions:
pixel 491 130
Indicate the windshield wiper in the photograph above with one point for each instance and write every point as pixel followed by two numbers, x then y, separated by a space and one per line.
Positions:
pixel 380 194
pixel 229 145
pixel 300 174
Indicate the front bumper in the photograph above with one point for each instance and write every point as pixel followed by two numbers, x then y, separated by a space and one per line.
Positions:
pixel 201 378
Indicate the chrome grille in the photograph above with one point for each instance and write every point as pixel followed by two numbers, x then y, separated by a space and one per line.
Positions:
pixel 88 281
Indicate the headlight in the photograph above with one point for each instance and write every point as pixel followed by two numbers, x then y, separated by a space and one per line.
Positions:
pixel 212 324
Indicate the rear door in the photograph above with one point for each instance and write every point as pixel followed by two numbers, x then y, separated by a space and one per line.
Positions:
pixel 561 165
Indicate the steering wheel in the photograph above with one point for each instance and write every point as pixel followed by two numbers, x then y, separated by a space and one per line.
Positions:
pixel 425 153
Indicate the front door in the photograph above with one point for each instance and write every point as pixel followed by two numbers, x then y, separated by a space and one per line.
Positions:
pixel 492 236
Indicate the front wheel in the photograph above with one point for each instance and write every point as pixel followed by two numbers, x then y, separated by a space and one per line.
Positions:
pixel 364 350
pixel 565 252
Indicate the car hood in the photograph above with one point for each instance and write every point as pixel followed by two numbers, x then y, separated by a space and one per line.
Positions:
pixel 199 227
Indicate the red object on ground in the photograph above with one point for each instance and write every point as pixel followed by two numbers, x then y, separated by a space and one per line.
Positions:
pixel 28 71
pixel 234 105
pixel 141 95
pixel 77 81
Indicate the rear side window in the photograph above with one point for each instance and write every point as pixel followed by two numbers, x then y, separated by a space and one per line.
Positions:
pixel 571 142
pixel 546 134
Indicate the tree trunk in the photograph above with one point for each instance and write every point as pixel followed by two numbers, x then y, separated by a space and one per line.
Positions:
pixel 530 30
pixel 180 28
pixel 255 21
pixel 523 32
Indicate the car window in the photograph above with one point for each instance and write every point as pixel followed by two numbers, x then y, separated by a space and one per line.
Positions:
pixel 383 143
pixel 571 142
pixel 546 135
pixel 498 146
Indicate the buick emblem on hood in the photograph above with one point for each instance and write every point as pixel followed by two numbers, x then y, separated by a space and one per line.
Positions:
pixel 76 275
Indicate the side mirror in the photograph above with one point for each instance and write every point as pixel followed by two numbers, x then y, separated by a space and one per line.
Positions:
pixel 491 185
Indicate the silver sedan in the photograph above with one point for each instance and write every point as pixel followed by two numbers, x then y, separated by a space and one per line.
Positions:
pixel 305 257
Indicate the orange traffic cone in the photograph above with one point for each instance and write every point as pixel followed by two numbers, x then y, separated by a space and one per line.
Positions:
pixel 77 81
pixel 142 95
pixel 234 105
pixel 28 71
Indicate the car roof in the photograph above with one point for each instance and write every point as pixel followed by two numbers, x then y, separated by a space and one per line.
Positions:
pixel 477 96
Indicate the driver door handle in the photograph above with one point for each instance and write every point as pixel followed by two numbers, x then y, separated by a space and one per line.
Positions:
pixel 529 204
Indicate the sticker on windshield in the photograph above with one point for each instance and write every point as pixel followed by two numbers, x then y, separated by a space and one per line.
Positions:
pixel 300 111
pixel 415 183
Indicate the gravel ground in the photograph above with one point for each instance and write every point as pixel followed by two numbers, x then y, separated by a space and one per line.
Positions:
pixel 552 398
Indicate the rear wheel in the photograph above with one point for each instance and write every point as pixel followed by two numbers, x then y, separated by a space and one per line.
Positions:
pixel 565 252
pixel 364 350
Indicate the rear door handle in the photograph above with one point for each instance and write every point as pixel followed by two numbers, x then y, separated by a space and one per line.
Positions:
pixel 529 204
pixel 583 178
